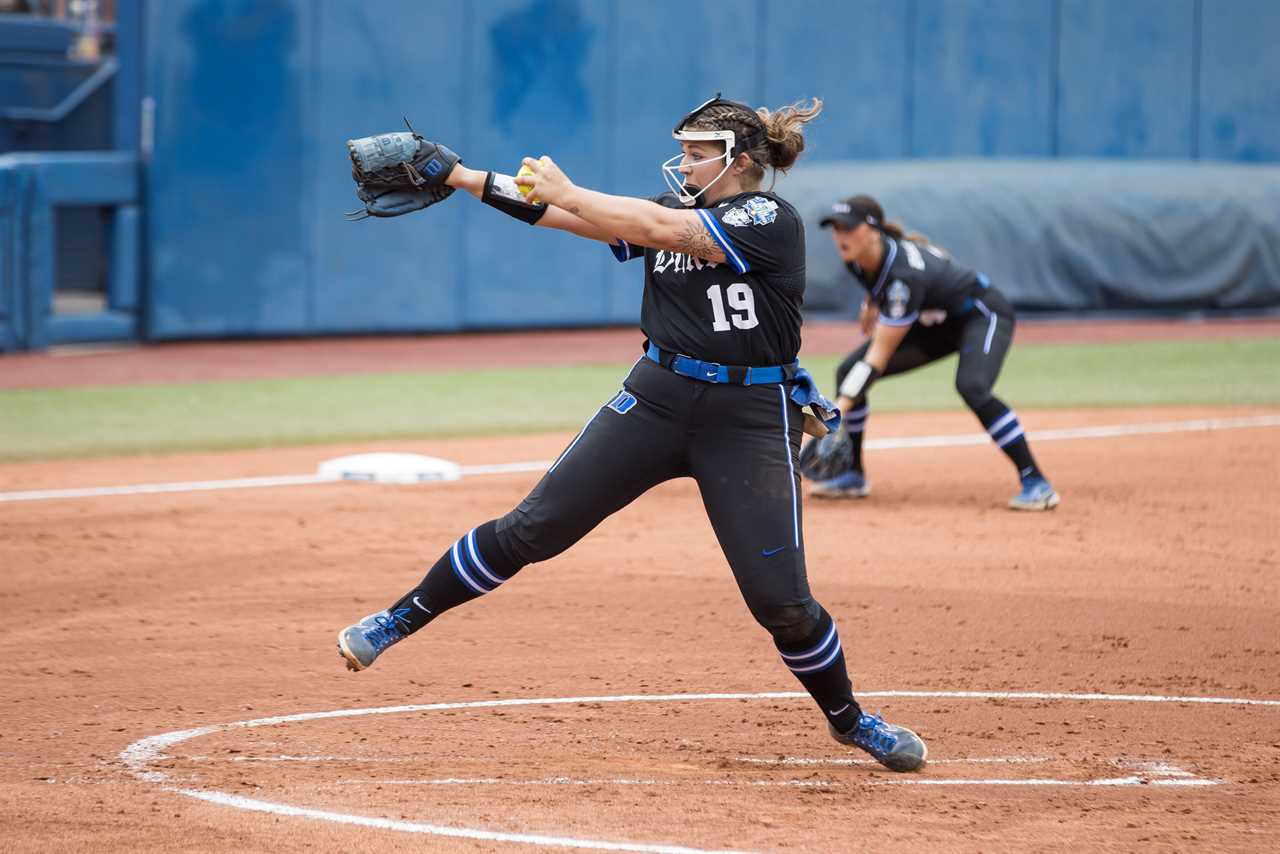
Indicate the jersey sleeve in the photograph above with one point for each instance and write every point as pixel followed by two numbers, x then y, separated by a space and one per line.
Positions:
pixel 624 251
pixel 757 234
pixel 901 300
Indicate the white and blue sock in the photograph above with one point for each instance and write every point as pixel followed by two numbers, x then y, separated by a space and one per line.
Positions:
pixel 818 662
pixel 473 566
pixel 1006 431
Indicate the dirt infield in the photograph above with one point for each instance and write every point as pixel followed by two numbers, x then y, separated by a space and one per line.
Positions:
pixel 134 616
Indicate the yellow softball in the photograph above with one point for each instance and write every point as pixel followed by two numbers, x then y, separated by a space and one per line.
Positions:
pixel 525 191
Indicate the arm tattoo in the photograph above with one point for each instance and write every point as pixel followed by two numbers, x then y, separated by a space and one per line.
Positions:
pixel 694 240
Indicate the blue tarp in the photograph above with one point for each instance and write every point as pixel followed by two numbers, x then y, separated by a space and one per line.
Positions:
pixel 1069 235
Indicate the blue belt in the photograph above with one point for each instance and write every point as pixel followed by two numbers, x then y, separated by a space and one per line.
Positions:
pixel 714 372
pixel 804 391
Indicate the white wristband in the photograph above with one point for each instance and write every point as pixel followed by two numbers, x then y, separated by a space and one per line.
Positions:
pixel 506 186
pixel 856 380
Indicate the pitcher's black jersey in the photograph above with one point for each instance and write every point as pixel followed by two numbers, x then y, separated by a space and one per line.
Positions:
pixel 915 276
pixel 742 311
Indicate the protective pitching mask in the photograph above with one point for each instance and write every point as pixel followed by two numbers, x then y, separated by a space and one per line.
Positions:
pixel 676 180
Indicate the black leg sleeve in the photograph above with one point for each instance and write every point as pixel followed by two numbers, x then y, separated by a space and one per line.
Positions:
pixel 632 443
pixel 744 462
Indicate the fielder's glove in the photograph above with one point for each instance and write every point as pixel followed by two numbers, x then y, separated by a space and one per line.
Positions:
pixel 399 173
pixel 823 459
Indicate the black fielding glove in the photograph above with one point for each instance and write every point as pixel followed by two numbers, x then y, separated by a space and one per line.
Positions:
pixel 398 173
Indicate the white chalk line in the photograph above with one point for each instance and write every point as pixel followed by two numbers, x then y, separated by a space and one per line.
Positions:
pixel 1150 770
pixel 940 441
pixel 1133 780
pixel 237 483
pixel 139 755
pixel 309 759
pixel 253 805
pixel 604 781
pixel 1109 781
pixel 751 760
pixel 1153 774
pixel 825 761
pixel 154 488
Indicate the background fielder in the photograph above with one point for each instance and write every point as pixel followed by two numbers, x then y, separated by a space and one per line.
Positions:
pixel 920 306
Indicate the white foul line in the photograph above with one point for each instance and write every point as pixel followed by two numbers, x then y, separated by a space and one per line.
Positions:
pixel 139 755
pixel 941 441
pixel 149 488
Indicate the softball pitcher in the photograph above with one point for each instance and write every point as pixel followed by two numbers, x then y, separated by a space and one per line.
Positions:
pixel 920 307
pixel 716 396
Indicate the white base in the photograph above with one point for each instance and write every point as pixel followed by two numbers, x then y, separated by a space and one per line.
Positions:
pixel 389 468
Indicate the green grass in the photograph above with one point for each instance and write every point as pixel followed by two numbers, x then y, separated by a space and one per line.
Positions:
pixel 1151 373
pixel 159 418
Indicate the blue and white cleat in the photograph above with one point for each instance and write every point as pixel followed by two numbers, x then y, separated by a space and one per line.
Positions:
pixel 1036 494
pixel 362 643
pixel 849 484
pixel 895 747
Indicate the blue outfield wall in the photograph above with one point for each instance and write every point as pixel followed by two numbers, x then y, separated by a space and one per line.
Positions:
pixel 246 172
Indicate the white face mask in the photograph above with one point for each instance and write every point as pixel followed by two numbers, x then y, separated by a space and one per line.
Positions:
pixel 671 169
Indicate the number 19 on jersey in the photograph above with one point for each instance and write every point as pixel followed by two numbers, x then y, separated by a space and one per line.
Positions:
pixel 741 299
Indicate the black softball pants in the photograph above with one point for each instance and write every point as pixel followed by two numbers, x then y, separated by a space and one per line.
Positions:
pixel 741 445
pixel 982 337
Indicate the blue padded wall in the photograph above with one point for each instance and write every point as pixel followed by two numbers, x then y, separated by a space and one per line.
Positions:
pixel 226 196
pixel 852 55
pixel 255 98
pixel 1126 78
pixel 1239 86
pixel 982 78
pixel 538 84
pixel 396 274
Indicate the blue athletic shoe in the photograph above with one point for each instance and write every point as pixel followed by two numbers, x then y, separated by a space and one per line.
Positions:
pixel 895 747
pixel 1036 494
pixel 362 643
pixel 850 484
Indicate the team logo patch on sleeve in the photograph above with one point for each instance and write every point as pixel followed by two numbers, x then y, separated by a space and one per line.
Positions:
pixel 755 211
pixel 897 298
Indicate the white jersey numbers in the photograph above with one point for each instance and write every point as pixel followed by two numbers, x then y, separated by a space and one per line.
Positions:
pixel 740 298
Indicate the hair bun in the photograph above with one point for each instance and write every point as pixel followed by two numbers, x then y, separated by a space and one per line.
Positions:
pixel 783 127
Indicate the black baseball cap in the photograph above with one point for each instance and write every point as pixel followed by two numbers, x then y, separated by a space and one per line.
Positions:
pixel 853 211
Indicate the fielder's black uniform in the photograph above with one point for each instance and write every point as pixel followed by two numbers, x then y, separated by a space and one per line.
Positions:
pixel 714 397
pixel 917 279
pixel 950 309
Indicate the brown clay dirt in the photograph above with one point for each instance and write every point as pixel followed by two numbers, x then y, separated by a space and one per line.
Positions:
pixel 132 616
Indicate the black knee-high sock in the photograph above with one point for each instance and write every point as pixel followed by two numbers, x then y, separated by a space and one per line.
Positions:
pixel 474 565
pixel 855 422
pixel 818 662
pixel 1003 427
